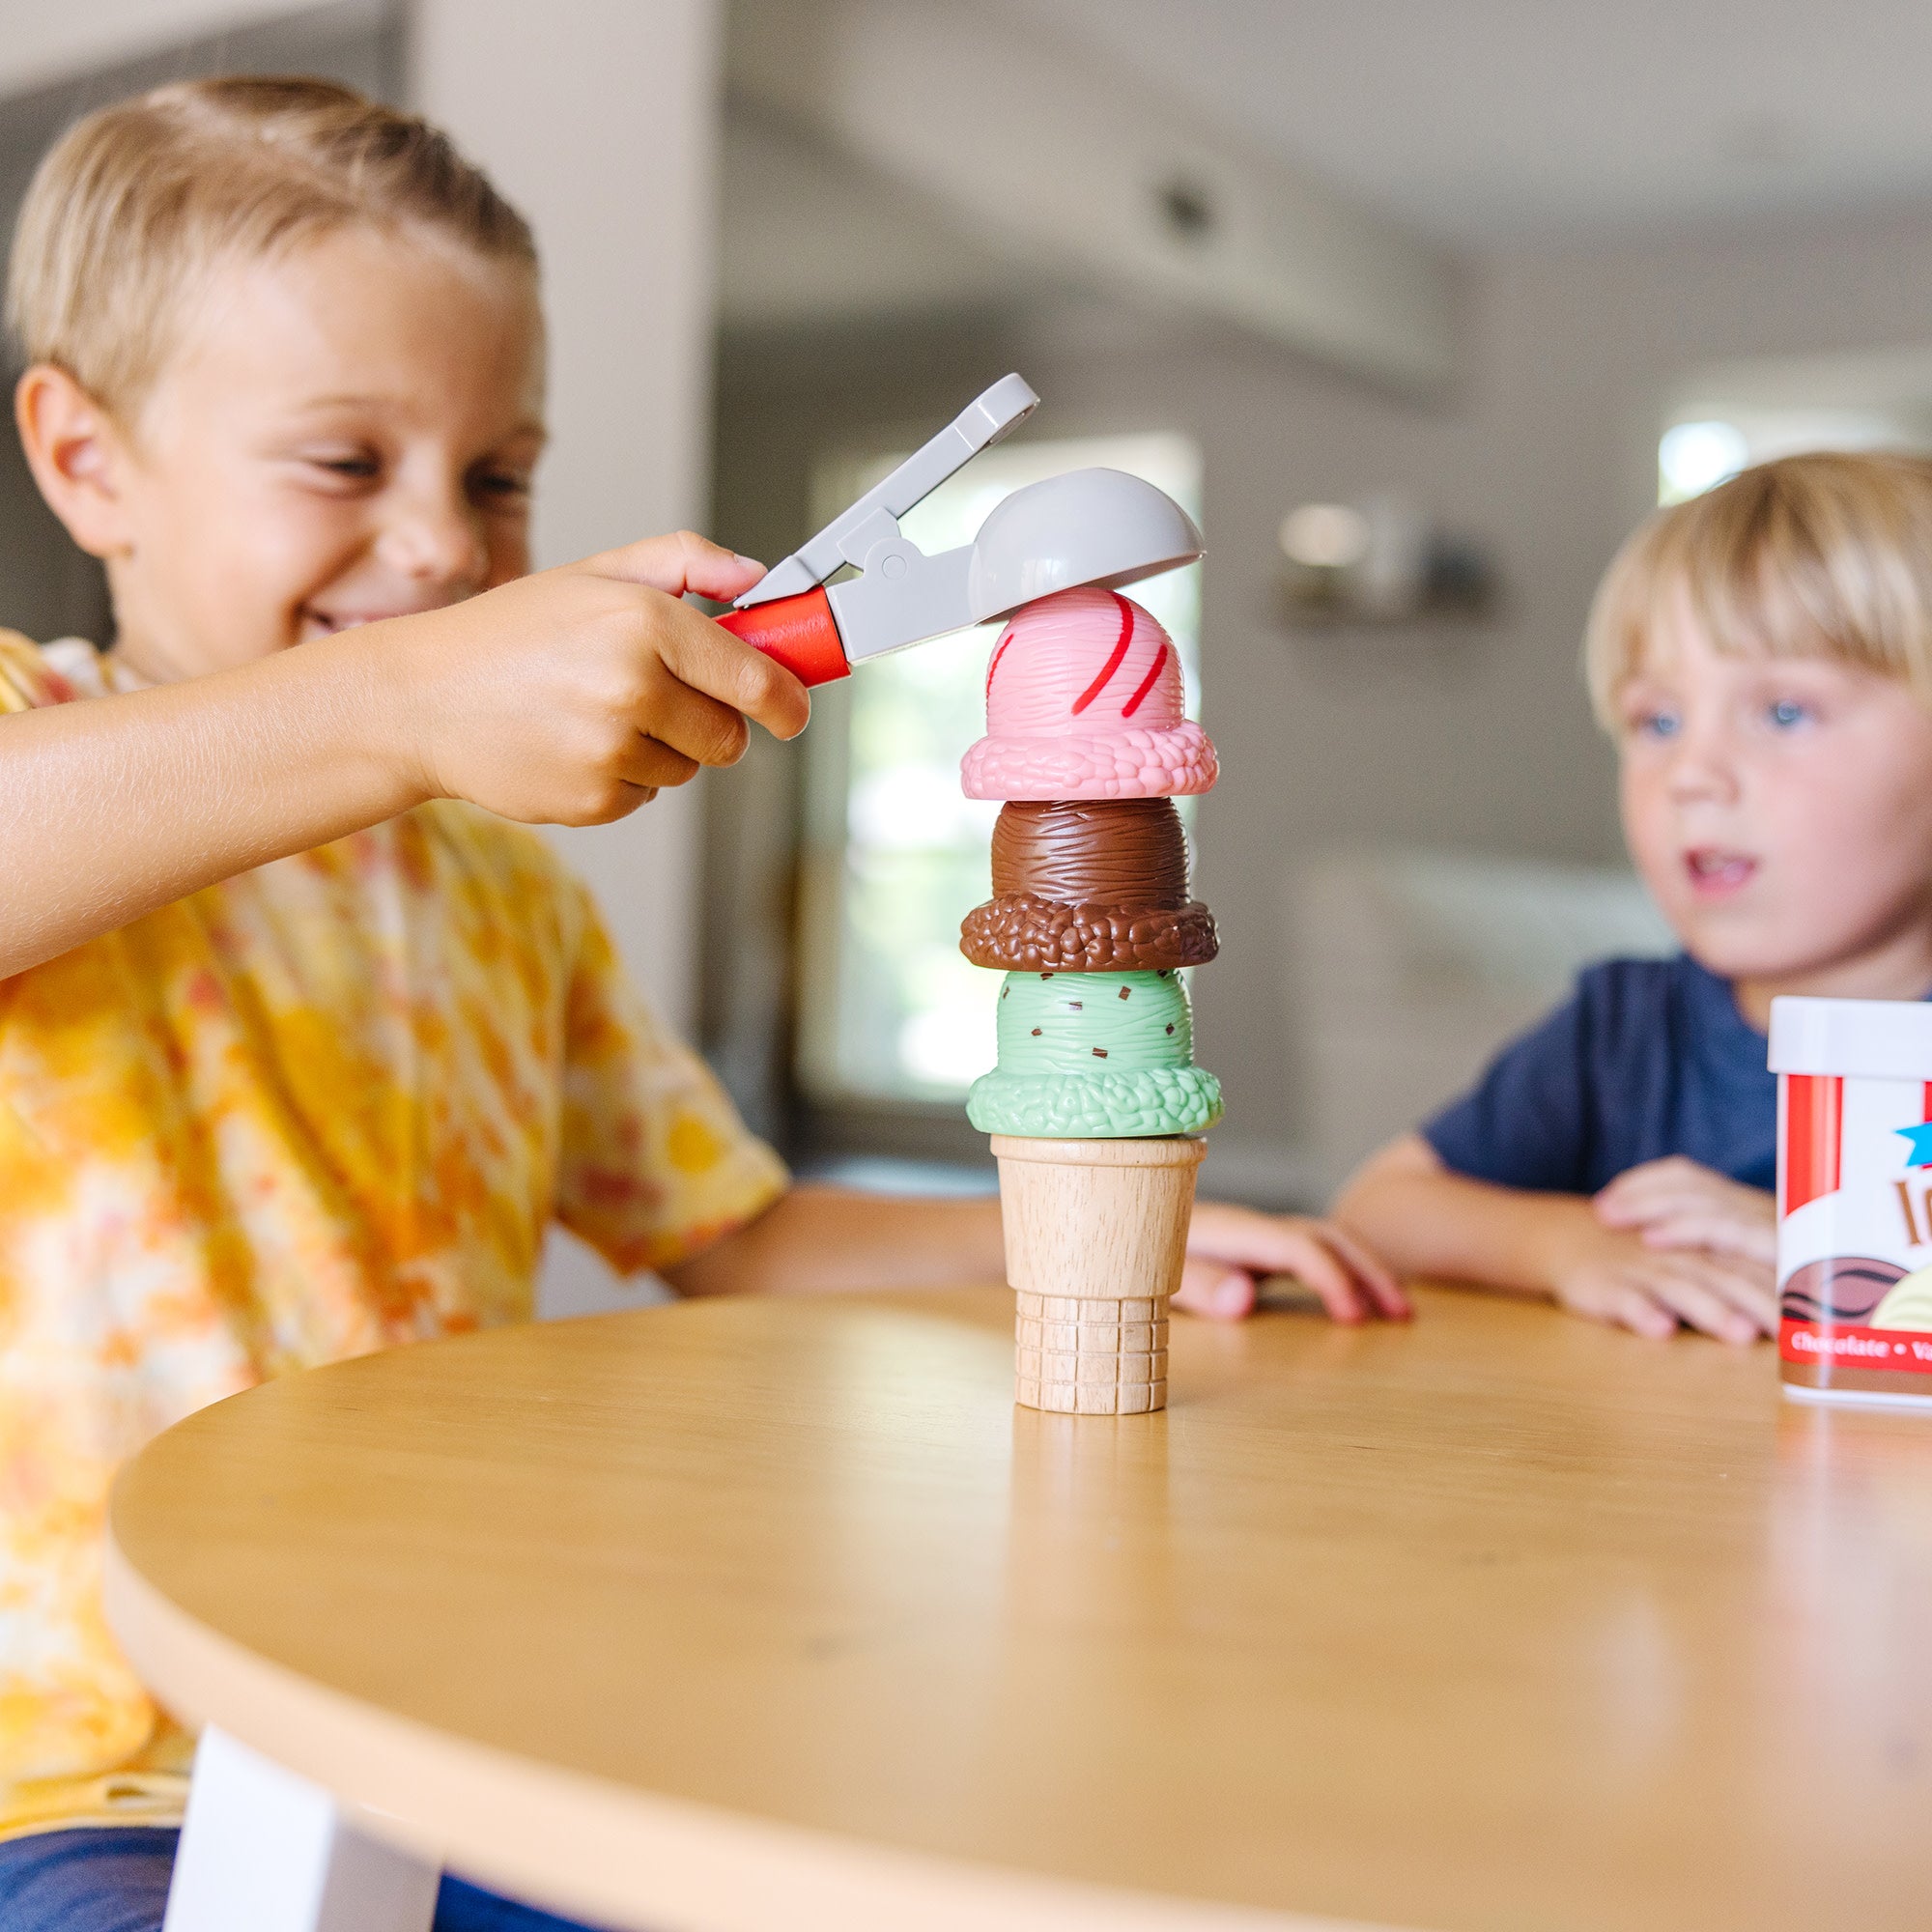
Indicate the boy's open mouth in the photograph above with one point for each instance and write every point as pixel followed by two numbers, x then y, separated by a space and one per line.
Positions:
pixel 1714 873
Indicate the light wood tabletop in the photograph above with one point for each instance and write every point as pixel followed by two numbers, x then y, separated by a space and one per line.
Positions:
pixel 744 1614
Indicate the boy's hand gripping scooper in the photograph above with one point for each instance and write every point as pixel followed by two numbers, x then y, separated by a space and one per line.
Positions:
pixel 1097 526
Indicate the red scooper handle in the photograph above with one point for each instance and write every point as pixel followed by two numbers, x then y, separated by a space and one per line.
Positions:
pixel 796 631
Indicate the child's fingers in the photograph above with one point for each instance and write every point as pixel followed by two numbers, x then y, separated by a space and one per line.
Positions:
pixel 679 562
pixel 1223 1232
pixel 709 659
pixel 633 779
pixel 1748 1284
pixel 651 765
pixel 1213 1289
pixel 1671 1170
pixel 1279 1243
pixel 1699 1295
pixel 1640 1193
pixel 1351 1283
pixel 1380 1286
pixel 1622 1302
pixel 704 729
pixel 1637 1206
pixel 1703 1227
pixel 1312 1265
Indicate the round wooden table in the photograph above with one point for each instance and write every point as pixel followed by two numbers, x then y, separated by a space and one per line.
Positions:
pixel 760 1614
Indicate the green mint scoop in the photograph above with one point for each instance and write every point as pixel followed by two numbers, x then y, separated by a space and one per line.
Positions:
pixel 1094 1055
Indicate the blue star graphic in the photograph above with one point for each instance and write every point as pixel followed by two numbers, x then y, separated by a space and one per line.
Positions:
pixel 1921 1144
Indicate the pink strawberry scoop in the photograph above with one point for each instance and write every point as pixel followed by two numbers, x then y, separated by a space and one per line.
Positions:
pixel 1083 701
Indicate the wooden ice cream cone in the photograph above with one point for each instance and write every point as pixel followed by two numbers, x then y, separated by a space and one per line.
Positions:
pixel 1096 1232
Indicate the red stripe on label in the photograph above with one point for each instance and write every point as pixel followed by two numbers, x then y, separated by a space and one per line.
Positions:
pixel 1133 703
pixel 1113 662
pixel 1814 1107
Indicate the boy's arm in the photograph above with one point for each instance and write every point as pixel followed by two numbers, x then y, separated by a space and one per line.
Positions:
pixel 817 1239
pixel 1429 1221
pixel 570 696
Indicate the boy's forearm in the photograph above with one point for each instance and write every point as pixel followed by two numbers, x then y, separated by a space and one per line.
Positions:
pixel 112 806
pixel 821 1239
pixel 569 698
pixel 1446 1225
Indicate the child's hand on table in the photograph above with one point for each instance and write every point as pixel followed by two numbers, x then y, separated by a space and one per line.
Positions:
pixel 1682 1245
pixel 1677 1204
pixel 1611 1274
pixel 1229 1248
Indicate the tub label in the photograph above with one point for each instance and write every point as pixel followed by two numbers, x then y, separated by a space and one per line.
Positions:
pixel 1855 1226
pixel 1854 1348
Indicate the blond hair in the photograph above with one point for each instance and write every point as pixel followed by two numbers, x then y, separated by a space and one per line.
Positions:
pixel 1828 555
pixel 137 206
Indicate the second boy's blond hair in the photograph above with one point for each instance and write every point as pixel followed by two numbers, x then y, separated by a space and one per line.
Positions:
pixel 136 208
pixel 1821 555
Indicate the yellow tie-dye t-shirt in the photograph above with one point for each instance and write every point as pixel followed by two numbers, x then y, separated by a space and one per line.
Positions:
pixel 324 1107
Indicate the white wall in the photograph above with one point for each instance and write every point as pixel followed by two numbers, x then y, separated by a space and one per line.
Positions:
pixel 41 43
pixel 599 118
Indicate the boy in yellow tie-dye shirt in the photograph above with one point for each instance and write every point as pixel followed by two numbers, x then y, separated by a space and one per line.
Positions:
pixel 301 1043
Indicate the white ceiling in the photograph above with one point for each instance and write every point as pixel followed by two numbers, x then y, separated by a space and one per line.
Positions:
pixel 1497 120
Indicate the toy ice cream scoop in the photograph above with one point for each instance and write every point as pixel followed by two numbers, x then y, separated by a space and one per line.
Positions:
pixel 1095 1054
pixel 1095 1105
pixel 1088 527
pixel 1087 886
pixel 1083 700
pixel 1854 1198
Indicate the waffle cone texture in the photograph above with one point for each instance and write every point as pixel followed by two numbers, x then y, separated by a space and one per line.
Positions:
pixel 1095 1236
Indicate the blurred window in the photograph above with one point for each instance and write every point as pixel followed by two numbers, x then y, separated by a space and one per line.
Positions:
pixel 895 856
pixel 1700 453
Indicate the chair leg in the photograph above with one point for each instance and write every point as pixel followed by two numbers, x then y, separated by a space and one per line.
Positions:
pixel 266 1851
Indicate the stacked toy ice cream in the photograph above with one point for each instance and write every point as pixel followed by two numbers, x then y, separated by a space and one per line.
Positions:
pixel 1095 1105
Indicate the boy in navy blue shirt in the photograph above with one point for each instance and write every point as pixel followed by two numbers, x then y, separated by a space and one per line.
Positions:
pixel 1762 655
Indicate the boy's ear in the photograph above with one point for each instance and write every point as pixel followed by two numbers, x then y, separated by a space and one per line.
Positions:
pixel 76 453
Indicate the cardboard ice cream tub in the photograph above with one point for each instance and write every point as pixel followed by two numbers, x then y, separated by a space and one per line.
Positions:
pixel 1854 1198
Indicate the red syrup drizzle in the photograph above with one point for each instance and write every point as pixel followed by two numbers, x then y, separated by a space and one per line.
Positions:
pixel 1147 684
pixel 1114 659
pixel 1006 638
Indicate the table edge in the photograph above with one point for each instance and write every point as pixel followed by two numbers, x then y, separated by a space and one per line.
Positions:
pixel 629 1852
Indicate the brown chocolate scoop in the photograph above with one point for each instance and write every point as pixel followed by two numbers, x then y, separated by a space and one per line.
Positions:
pixel 1019 932
pixel 1089 886
pixel 1111 852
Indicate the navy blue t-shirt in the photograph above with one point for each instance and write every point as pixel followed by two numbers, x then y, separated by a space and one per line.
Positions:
pixel 1648 1057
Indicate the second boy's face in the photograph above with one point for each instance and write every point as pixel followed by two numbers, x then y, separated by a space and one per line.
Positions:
pixel 346 434
pixel 1780 811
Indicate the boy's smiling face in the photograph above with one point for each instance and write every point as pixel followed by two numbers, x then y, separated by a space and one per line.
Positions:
pixel 345 434
pixel 1780 812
